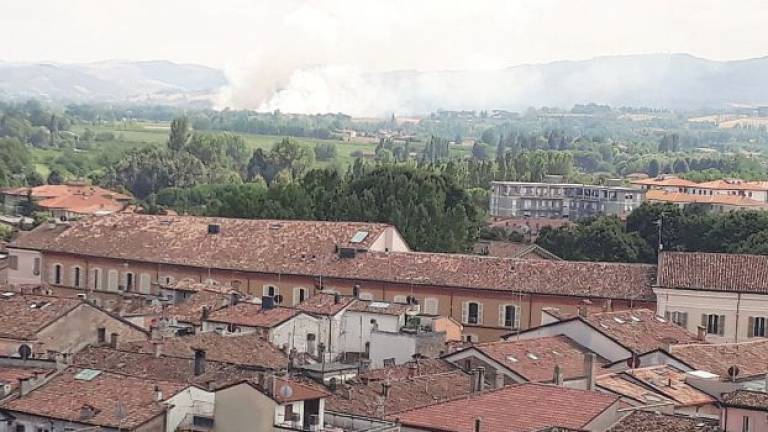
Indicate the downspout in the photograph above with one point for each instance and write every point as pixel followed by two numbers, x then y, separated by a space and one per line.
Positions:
pixel 738 310
pixel 530 312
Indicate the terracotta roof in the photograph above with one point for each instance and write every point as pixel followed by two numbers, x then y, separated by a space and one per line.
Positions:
pixel 640 330
pixel 749 399
pixel 23 316
pixel 242 244
pixel 663 382
pixel 176 369
pixel 734 184
pixel 10 375
pixel 325 304
pixel 82 204
pixel 54 191
pixel 714 272
pixel 408 369
pixel 116 400
pixel 249 245
pixel 366 398
pixel 715 199
pixel 535 359
pixel 512 250
pixel 291 390
pixel 664 181
pixel 379 307
pixel 645 421
pixel 519 408
pixel 189 311
pixel 749 357
pixel 252 315
pixel 245 349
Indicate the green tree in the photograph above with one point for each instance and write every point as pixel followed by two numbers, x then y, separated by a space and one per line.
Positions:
pixel 179 135
pixel 55 177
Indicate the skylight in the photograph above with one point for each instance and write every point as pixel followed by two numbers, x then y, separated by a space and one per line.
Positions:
pixel 512 359
pixel 618 320
pixel 380 305
pixel 87 374
pixel 634 318
pixel 359 237
pixel 532 356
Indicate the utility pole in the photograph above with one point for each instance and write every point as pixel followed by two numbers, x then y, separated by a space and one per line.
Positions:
pixel 660 223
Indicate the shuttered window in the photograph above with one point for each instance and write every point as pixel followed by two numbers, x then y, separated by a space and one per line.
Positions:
pixel 679 318
pixel 472 313
pixel 145 283
pixel 509 316
pixel 715 324
pixel 13 262
pixel 756 327
pixel 112 280
pixel 431 306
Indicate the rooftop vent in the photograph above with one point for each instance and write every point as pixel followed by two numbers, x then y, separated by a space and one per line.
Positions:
pixel 214 228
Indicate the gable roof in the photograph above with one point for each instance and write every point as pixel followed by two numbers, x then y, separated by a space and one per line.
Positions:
pixel 252 315
pixel 664 180
pixel 715 199
pixel 640 330
pixel 518 408
pixel 325 304
pixel 749 357
pixel 535 359
pixel 23 316
pixel 646 421
pixel 417 367
pixel 240 349
pixel 653 384
pixel 512 250
pixel 713 272
pixel 189 310
pixel 748 399
pixel 116 400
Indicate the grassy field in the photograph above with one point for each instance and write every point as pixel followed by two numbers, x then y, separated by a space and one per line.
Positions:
pixel 129 136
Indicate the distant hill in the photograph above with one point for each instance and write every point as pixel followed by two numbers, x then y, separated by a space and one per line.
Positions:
pixel 655 80
pixel 111 81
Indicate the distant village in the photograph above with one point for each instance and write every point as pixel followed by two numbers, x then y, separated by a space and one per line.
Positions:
pixel 114 320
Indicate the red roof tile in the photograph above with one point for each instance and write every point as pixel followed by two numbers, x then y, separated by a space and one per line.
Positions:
pixel 749 399
pixel 749 357
pixel 22 316
pixel 252 315
pixel 117 400
pixel 662 381
pixel 640 330
pixel 519 408
pixel 714 272
pixel 645 421
pixel 325 304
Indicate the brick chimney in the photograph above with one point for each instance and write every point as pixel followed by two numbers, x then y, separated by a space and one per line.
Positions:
pixel 199 364
pixel 701 333
pixel 558 376
pixel 589 370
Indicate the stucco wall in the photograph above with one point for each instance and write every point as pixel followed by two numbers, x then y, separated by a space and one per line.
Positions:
pixel 243 408
pixel 25 272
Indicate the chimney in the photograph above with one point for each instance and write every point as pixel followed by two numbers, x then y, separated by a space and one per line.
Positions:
pixel 385 388
pixel 337 298
pixel 158 345
pixel 589 370
pixel 701 333
pixel 214 228
pixel 412 370
pixel 478 379
pixel 558 378
pixel 583 311
pixel 113 340
pixel 199 362
pixel 234 298
pixel 158 394
pixel 205 312
pixel 332 384
pixel 356 290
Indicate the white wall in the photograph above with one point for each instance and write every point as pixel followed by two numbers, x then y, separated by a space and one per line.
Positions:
pixel 294 333
pixel 389 240
pixel 357 327
pixel 391 345
pixel 24 274
pixel 191 401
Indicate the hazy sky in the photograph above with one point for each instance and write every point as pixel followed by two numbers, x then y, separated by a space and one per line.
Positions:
pixel 374 34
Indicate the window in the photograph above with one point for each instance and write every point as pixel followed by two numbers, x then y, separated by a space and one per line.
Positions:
pixel 715 324
pixel 128 281
pixel 145 282
pixel 270 290
pixel 13 262
pixel 289 412
pixel 508 316
pixel 56 274
pixel 20 428
pixel 112 280
pixel 400 299
pixel 311 343
pixel 96 278
pixel 469 337
pixel 756 327
pixel 679 318
pixel 101 335
pixel 431 306
pixel 299 295
pixel 472 313
pixel 745 424
pixel 36 267
pixel 76 276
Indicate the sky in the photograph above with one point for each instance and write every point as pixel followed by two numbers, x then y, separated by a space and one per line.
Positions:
pixel 269 41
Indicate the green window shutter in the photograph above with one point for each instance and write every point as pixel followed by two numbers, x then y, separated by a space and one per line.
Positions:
pixel 721 325
pixel 751 327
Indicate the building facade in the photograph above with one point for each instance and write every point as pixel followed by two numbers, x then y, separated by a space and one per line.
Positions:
pixel 561 200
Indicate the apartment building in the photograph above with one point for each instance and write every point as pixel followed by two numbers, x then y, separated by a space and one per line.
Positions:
pixel 716 196
pixel 562 200
pixel 724 294
pixel 123 255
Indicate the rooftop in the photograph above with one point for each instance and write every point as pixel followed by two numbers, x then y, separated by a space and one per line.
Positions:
pixel 325 304
pixel 655 384
pixel 646 421
pixel 749 357
pixel 664 180
pixel 714 272
pixel 535 359
pixel 640 330
pixel 379 307
pixel 241 349
pixel 518 408
pixel 252 315
pixel 23 316
pixel 512 250
pixel 307 248
pixel 190 310
pixel 690 198
pixel 408 369
pixel 109 399
pixel 749 399
pixel 366 397
pixel 71 189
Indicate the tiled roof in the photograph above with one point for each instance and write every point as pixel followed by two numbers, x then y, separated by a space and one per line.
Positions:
pixel 116 400
pixel 512 250
pixel 734 184
pixel 646 421
pixel 242 244
pixel 251 245
pixel 291 390
pixel 640 330
pixel 54 191
pixel 408 369
pixel 10 375
pixel 325 304
pixel 22 316
pixel 714 272
pixel 535 359
pixel 379 307
pixel 175 369
pixel 663 382
pixel 252 315
pixel 664 181
pixel 82 204
pixel 749 357
pixel 715 199
pixel 366 398
pixel 190 310
pixel 242 349
pixel 750 399
pixel 518 408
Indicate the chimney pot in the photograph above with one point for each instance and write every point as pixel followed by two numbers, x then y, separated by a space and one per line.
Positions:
pixel 158 394
pixel 199 364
